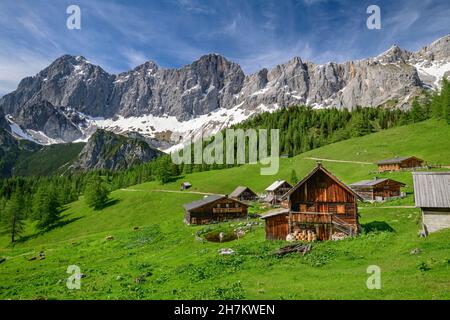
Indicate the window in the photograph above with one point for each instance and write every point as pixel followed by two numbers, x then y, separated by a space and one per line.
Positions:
pixel 227 205
pixel 237 205
pixel 341 208
pixel 218 205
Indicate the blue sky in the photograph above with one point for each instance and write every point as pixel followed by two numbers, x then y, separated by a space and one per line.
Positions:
pixel 119 35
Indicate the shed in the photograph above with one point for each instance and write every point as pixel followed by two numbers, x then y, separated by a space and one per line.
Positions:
pixel 186 185
pixel 277 190
pixel 214 208
pixel 377 189
pixel 399 163
pixel 242 193
pixel 319 204
pixel 432 196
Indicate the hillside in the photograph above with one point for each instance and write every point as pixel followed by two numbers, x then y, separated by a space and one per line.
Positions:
pixel 163 259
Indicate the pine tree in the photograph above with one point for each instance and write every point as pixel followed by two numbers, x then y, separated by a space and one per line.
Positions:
pixel 445 100
pixel 96 193
pixel 13 215
pixel 417 112
pixel 45 207
pixel 294 177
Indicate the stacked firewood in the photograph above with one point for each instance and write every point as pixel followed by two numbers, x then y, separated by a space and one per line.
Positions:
pixel 304 235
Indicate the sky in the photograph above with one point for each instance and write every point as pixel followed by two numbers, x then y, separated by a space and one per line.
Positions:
pixel 120 35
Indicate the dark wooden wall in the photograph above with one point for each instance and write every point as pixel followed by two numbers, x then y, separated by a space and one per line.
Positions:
pixel 210 212
pixel 277 227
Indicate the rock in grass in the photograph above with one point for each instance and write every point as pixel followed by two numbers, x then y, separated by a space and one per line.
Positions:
pixel 226 251
pixel 2 259
pixel 415 251
pixel 109 238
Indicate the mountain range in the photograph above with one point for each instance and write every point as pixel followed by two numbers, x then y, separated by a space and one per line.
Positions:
pixel 70 99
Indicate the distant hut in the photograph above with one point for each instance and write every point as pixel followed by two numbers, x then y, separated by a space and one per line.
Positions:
pixel 320 206
pixel 185 185
pixel 399 163
pixel 276 191
pixel 432 196
pixel 244 194
pixel 378 189
pixel 214 208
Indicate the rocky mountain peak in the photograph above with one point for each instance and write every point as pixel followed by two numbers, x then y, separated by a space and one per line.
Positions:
pixel 107 150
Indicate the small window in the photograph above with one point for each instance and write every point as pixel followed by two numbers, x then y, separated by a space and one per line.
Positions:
pixel 341 208
pixel 228 205
pixel 237 205
pixel 218 205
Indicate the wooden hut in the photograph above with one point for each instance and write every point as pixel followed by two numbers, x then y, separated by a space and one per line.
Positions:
pixel 400 163
pixel 214 208
pixel 276 191
pixel 319 205
pixel 378 189
pixel 244 194
pixel 432 196
pixel 185 185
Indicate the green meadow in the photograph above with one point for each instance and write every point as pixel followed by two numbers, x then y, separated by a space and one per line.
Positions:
pixel 154 255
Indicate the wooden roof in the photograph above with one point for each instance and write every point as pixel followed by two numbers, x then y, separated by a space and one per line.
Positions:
pixel 432 189
pixel 207 200
pixel 319 167
pixel 373 182
pixel 397 160
pixel 275 212
pixel 274 186
pixel 239 190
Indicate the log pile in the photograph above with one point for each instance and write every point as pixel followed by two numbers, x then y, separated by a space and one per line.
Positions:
pixel 304 235
pixel 299 248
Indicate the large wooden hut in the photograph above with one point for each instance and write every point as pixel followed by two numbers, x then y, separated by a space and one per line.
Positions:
pixel 432 196
pixel 320 204
pixel 378 189
pixel 276 191
pixel 244 194
pixel 399 163
pixel 214 208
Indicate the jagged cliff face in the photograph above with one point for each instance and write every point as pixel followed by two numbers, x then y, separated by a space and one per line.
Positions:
pixel 65 101
pixel 106 150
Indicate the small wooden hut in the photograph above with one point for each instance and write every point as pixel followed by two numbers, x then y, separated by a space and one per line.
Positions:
pixel 432 196
pixel 319 205
pixel 378 189
pixel 276 191
pixel 399 163
pixel 185 185
pixel 244 194
pixel 214 208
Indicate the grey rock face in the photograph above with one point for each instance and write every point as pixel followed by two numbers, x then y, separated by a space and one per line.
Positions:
pixel 44 117
pixel 106 150
pixel 3 122
pixel 212 82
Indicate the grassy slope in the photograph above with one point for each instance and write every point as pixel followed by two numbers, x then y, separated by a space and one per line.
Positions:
pixel 174 265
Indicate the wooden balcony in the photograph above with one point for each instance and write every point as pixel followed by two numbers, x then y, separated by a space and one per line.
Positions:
pixel 227 210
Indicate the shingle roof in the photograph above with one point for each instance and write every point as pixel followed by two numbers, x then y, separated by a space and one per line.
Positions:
pixel 432 189
pixel 372 182
pixel 274 186
pixel 202 202
pixel 237 192
pixel 395 160
pixel 275 212
pixel 319 167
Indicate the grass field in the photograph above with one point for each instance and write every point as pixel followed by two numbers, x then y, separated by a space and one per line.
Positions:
pixel 164 260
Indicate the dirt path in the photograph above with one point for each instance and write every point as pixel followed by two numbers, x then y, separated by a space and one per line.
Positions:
pixel 390 207
pixel 168 191
pixel 341 161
